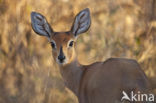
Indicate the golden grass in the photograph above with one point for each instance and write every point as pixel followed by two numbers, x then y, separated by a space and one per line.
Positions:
pixel 123 28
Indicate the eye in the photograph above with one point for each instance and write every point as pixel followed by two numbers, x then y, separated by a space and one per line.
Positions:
pixel 71 43
pixel 53 45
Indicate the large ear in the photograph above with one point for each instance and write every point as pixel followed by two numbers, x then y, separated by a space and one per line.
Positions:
pixel 40 24
pixel 82 22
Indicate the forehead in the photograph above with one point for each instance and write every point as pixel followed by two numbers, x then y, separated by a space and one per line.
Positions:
pixel 62 36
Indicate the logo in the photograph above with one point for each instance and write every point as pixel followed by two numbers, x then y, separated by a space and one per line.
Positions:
pixel 138 97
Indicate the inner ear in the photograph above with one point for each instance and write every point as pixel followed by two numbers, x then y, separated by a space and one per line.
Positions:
pixel 40 25
pixel 81 23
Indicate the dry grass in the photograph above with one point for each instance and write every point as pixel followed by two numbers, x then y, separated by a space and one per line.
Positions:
pixel 123 28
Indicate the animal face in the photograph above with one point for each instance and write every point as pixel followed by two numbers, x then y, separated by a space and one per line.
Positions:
pixel 62 42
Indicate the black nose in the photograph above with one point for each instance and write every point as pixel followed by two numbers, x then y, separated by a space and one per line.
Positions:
pixel 61 58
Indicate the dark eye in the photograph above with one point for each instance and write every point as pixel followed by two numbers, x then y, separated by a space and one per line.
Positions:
pixel 71 43
pixel 53 44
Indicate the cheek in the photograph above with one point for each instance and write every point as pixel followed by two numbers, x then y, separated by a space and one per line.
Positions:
pixel 54 53
pixel 70 53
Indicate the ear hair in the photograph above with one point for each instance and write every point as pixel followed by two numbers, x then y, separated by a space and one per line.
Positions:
pixel 82 22
pixel 40 24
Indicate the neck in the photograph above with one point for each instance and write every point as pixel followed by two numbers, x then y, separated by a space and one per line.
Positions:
pixel 72 74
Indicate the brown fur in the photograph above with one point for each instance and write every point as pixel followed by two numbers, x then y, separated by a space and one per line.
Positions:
pixel 100 82
pixel 62 39
pixel 103 82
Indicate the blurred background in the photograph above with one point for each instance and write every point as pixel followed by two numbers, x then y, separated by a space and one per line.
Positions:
pixel 120 28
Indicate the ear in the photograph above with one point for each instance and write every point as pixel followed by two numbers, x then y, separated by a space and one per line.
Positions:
pixel 40 24
pixel 82 22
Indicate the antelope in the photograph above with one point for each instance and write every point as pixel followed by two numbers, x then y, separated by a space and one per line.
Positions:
pixel 100 82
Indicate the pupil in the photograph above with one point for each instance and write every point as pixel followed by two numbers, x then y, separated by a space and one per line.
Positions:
pixel 71 43
pixel 53 45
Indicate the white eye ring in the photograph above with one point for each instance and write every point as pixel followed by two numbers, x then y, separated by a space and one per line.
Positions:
pixel 69 43
pixel 53 44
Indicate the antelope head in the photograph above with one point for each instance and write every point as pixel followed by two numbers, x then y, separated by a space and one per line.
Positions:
pixel 62 43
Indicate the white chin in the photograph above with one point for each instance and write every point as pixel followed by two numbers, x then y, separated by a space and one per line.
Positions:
pixel 61 63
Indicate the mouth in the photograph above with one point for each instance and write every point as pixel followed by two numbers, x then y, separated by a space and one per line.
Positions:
pixel 61 62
